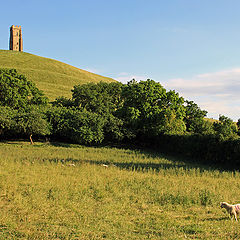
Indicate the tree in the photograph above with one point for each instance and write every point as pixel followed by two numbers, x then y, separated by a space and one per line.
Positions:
pixel 17 92
pixel 238 126
pixel 7 122
pixel 62 102
pixel 113 128
pixel 225 128
pixel 194 119
pixel 103 99
pixel 149 109
pixel 99 98
pixel 32 122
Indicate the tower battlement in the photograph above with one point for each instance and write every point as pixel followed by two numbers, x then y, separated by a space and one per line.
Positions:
pixel 16 41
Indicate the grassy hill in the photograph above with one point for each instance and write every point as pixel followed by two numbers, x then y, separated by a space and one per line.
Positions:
pixel 53 77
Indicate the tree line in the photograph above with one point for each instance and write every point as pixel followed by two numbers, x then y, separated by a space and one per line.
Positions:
pixel 144 113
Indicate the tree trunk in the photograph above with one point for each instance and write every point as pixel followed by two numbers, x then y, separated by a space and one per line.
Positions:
pixel 31 139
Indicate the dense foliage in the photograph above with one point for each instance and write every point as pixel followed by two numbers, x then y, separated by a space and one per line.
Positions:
pixel 148 109
pixel 141 112
pixel 101 98
pixel 75 125
pixel 17 92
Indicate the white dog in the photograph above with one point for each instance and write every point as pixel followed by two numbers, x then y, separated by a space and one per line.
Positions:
pixel 233 210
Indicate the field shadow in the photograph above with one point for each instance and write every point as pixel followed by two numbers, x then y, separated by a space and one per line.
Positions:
pixel 65 145
pixel 176 161
pixel 217 219
pixel 130 166
pixel 142 166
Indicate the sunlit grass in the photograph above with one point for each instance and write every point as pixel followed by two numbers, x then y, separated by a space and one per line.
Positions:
pixel 74 192
pixel 53 77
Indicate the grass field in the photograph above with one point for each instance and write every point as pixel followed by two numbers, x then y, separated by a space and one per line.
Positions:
pixel 53 77
pixel 75 192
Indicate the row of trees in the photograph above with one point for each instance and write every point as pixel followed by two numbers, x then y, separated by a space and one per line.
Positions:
pixel 103 111
pixel 142 112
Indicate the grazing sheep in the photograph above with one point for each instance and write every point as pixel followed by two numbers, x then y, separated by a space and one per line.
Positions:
pixel 233 210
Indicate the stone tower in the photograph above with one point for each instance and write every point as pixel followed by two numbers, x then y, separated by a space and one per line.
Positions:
pixel 16 41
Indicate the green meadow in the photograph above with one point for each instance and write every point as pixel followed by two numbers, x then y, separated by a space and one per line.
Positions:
pixel 63 191
pixel 53 77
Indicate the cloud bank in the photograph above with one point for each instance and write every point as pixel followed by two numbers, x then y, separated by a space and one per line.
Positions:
pixel 218 92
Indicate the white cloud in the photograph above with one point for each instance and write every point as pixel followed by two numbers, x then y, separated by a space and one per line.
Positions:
pixel 218 92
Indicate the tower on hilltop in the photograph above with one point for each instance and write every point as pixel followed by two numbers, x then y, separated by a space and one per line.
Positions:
pixel 16 41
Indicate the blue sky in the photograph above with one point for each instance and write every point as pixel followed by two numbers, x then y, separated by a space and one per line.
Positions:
pixel 192 46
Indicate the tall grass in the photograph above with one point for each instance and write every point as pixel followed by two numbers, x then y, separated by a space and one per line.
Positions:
pixel 75 192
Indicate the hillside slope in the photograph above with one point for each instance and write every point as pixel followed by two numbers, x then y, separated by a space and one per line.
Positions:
pixel 53 77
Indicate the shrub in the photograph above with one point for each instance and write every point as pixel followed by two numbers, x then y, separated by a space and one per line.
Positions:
pixel 81 127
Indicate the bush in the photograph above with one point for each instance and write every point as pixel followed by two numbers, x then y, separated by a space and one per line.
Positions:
pixel 81 127
pixel 208 149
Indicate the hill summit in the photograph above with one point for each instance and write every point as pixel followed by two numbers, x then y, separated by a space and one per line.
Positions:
pixel 55 78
